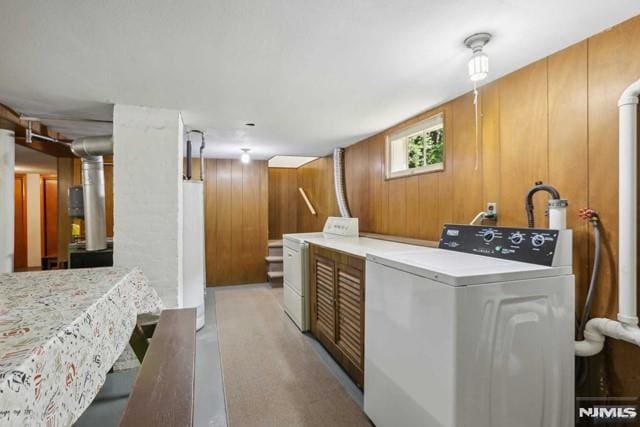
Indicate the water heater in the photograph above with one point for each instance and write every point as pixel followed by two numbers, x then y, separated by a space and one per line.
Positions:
pixel 193 267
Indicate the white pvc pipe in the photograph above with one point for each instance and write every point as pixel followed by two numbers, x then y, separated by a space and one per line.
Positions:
pixel 627 210
pixel 558 218
pixel 7 201
pixel 626 328
pixel 599 328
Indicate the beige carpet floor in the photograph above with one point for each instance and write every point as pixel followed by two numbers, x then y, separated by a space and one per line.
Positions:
pixel 272 376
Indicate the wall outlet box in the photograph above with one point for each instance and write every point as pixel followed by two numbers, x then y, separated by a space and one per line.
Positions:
pixel 492 210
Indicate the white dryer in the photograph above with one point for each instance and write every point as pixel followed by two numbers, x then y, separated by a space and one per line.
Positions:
pixel 470 335
pixel 296 266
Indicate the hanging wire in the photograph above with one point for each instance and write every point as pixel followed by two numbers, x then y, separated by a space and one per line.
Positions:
pixel 475 108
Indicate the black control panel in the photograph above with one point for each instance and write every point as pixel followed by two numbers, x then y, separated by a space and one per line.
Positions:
pixel 532 245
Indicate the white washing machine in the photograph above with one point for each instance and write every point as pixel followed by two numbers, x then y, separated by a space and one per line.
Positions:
pixel 470 335
pixel 296 266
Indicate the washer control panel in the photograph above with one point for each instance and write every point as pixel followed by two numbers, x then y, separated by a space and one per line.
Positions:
pixel 532 245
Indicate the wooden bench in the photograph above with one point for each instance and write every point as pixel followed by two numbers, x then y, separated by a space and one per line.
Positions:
pixel 163 393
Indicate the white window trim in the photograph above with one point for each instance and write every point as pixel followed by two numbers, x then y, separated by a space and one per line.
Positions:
pixel 433 121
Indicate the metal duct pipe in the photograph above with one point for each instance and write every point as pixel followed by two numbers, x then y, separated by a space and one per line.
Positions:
pixel 189 150
pixel 188 168
pixel 338 180
pixel 202 144
pixel 92 146
pixel 91 150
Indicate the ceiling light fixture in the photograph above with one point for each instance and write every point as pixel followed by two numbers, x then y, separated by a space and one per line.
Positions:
pixel 245 157
pixel 478 68
pixel 250 124
pixel 479 61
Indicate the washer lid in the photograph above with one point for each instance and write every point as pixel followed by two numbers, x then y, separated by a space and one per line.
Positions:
pixel 461 269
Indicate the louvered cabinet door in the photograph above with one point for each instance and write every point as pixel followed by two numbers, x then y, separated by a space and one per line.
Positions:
pixel 350 310
pixel 324 314
pixel 337 307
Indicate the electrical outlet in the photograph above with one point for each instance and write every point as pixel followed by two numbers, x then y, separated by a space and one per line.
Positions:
pixel 492 210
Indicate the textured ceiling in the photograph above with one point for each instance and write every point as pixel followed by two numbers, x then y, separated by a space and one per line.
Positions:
pixel 311 74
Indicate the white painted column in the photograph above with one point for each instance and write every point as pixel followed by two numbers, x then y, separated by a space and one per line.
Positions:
pixel 7 199
pixel 147 180
pixel 34 229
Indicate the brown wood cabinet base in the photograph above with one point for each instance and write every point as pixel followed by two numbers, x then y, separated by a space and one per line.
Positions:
pixel 337 307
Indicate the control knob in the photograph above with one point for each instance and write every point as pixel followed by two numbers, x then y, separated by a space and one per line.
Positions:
pixel 488 235
pixel 516 238
pixel 537 240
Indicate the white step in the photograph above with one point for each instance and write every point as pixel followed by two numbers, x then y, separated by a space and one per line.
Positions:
pixel 275 243
pixel 274 258
pixel 275 275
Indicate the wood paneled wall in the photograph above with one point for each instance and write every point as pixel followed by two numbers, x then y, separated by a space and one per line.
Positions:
pixel 556 121
pixel 236 221
pixel 20 222
pixel 49 215
pixel 65 180
pixel 283 202
pixel 316 178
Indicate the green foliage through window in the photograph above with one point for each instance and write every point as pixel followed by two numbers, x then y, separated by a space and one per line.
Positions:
pixel 426 148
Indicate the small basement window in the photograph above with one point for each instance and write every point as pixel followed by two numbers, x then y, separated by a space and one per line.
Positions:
pixel 417 149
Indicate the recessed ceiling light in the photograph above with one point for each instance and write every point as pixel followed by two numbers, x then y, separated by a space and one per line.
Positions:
pixel 250 124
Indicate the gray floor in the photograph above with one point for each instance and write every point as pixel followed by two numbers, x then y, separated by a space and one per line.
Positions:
pixel 350 387
pixel 210 409
pixel 210 404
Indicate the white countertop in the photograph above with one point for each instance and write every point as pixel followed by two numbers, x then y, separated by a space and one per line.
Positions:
pixel 361 246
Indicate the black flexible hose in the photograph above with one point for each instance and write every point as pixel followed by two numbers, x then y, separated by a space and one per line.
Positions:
pixel 594 278
pixel 188 159
pixel 528 203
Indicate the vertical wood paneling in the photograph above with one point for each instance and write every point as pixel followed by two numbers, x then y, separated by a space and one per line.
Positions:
pixel 316 178
pixel 429 207
pixel 357 182
pixel 251 228
pixel 222 263
pixel 379 195
pixel 412 203
pixel 211 221
pixel 20 227
pixel 445 178
pixel 49 215
pixel 397 207
pixel 467 178
pixel 283 201
pixel 491 181
pixel 568 145
pixel 65 180
pixel 236 225
pixel 108 194
pixel 523 146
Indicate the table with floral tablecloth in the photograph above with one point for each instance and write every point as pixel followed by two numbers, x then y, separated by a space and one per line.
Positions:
pixel 60 333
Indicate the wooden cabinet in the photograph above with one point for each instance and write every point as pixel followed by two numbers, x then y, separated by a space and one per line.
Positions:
pixel 337 307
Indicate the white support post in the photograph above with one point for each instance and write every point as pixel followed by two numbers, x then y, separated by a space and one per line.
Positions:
pixel 7 201
pixel 147 149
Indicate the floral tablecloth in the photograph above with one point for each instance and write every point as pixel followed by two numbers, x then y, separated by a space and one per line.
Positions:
pixel 60 333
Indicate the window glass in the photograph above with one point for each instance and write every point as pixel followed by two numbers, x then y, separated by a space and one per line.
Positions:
pixel 417 149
